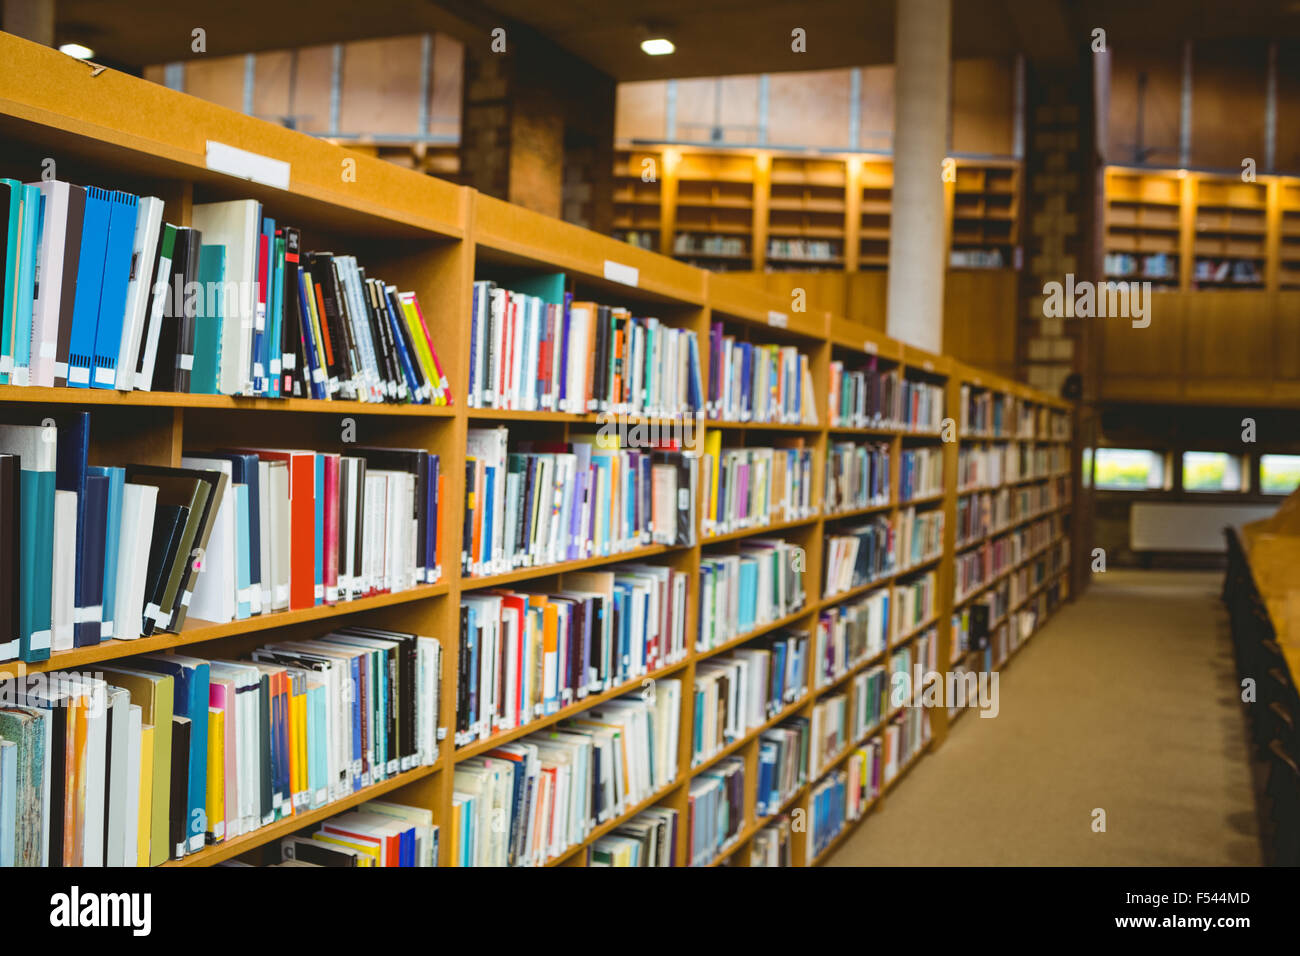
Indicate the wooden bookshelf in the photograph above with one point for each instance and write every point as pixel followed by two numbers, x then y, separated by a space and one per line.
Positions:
pixel 1188 230
pixel 436 238
pixel 743 209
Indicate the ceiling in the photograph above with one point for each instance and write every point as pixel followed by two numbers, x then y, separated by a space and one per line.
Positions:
pixel 713 37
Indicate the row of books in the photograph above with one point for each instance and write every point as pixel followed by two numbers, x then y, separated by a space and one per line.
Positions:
pixel 830 730
pixel 758 383
pixel 376 833
pixel 995 414
pixel 741 691
pixel 648 839
pixel 848 634
pixel 914 601
pixel 984 466
pixel 752 487
pixel 526 655
pixel 533 348
pixel 229 304
pixel 904 659
pixel 919 536
pixel 156 756
pixel 715 810
pixel 773 844
pixel 920 473
pixel 530 800
pixel 903 739
pixel 878 397
pixel 89 553
pixel 550 502
pixel 782 765
pixel 976 567
pixel 859 555
pixel 857 476
pixel 761 583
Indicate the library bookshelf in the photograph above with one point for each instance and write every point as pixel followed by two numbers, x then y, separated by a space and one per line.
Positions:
pixel 1189 230
pixel 740 209
pixel 437 238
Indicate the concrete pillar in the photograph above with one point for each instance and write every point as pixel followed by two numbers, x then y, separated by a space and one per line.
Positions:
pixel 917 233
pixel 30 19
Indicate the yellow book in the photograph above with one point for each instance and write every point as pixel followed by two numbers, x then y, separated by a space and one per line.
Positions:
pixel 421 343
pixel 713 447
pixel 154 695
pixel 297 740
pixel 146 794
pixel 216 802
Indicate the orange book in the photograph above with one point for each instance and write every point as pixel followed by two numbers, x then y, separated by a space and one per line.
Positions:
pixel 476 543
pixel 74 805
pixel 588 381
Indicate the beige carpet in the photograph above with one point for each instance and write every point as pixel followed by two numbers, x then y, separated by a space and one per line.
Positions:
pixel 1124 701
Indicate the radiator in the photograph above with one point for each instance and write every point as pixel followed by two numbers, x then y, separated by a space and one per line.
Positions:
pixel 1187 526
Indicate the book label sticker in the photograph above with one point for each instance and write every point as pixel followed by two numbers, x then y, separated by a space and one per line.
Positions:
pixel 254 167
pixel 617 272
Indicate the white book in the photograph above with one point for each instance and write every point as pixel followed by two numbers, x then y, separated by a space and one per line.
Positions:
pixel 148 225
pixel 118 729
pixel 214 597
pixel 235 225
pixel 139 503
pixel 277 482
pixel 50 291
pixel 262 588
pixel 62 609
pixel 96 766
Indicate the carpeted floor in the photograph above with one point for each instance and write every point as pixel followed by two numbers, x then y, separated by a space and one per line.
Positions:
pixel 1125 701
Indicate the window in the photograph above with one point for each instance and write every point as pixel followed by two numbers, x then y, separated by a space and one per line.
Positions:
pixel 1211 471
pixel 1128 469
pixel 1278 474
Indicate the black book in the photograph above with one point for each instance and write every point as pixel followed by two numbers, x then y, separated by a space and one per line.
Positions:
pixel 397 319
pixel 320 266
pixel 178 819
pixel 462 673
pixel 264 748
pixel 179 360
pixel 294 372
pixel 347 327
pixel 71 266
pixel 307 850
pixel 599 373
pixel 979 626
pixel 467 536
pixel 10 536
pixel 168 529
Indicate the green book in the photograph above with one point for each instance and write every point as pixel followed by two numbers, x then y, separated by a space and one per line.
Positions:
pixel 208 320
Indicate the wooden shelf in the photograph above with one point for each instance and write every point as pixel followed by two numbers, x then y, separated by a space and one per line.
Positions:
pixel 435 237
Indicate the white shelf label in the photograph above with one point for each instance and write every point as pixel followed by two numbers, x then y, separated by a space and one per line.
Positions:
pixel 928 365
pixel 778 319
pixel 870 347
pixel 617 272
pixel 241 163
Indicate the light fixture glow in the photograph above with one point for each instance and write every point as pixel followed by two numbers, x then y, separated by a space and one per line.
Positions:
pixel 77 50
pixel 657 46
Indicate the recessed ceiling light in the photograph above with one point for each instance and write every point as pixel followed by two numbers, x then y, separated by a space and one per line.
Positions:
pixel 657 46
pixel 77 50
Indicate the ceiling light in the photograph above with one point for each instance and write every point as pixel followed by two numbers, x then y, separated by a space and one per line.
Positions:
pixel 77 50
pixel 657 46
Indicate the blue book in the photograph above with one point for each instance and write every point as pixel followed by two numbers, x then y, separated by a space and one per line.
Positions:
pixel 264 265
pixel 243 608
pixel 358 744
pixel 120 248
pixel 314 373
pixel 90 563
pixel 90 286
pixel 33 224
pixel 112 539
pixel 431 571
pixel 191 682
pixel 472 639
pixel 11 217
pixel 316 745
pixel 275 313
pixel 489 512
pixel 320 528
